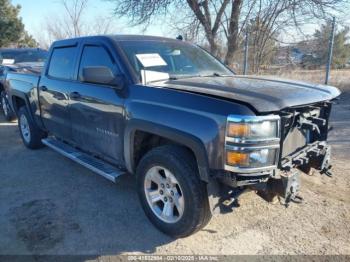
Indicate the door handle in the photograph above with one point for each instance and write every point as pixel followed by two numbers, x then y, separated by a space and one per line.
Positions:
pixel 74 95
pixel 43 88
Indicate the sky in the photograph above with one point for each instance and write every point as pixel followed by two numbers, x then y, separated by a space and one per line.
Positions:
pixel 35 12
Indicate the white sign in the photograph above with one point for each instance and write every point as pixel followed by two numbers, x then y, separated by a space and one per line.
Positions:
pixel 153 76
pixel 8 61
pixel 148 60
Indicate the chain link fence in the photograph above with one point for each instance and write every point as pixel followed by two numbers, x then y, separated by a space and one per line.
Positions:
pixel 297 60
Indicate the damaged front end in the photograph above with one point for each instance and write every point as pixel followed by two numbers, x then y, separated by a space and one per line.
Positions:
pixel 268 154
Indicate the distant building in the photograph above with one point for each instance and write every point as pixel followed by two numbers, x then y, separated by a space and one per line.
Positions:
pixel 300 54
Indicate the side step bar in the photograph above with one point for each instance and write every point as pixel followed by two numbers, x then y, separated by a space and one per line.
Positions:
pixel 96 165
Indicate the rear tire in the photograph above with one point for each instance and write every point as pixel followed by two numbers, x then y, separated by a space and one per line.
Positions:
pixel 30 133
pixel 5 106
pixel 168 176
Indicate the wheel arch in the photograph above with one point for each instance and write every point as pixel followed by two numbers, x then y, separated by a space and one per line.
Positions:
pixel 18 100
pixel 178 137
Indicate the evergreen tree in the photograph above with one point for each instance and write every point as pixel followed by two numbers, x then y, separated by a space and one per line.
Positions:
pixel 11 27
pixel 341 51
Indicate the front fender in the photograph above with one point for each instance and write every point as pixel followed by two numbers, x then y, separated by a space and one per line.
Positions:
pixel 193 120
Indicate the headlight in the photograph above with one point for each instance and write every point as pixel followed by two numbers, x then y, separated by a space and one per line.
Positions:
pixel 255 158
pixel 252 128
pixel 252 143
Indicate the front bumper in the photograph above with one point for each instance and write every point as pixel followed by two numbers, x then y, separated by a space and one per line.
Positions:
pixel 316 155
pixel 283 182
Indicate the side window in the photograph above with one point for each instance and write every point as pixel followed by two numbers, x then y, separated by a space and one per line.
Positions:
pixel 96 56
pixel 62 63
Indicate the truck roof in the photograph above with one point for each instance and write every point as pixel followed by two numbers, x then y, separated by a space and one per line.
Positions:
pixel 141 37
pixel 116 38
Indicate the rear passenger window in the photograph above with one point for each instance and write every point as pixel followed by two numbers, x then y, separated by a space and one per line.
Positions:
pixel 96 56
pixel 62 63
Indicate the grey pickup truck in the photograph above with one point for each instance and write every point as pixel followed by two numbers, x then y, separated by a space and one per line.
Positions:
pixel 25 60
pixel 194 134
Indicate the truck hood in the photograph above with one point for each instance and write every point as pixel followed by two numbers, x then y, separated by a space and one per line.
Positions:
pixel 264 94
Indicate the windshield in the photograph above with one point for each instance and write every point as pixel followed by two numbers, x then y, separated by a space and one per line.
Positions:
pixel 24 56
pixel 154 61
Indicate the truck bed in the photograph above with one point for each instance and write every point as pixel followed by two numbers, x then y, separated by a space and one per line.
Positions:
pixel 24 86
pixel 22 82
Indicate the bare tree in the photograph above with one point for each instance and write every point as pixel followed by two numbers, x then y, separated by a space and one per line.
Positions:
pixel 227 18
pixel 73 23
pixel 206 13
pixel 102 25
pixel 74 10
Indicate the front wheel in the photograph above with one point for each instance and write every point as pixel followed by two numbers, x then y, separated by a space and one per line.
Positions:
pixel 171 193
pixel 30 133
pixel 8 113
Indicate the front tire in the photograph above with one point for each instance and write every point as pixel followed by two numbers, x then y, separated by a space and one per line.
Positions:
pixel 30 133
pixel 171 192
pixel 8 113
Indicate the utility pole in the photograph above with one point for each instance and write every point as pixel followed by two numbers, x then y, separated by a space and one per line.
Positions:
pixel 330 52
pixel 246 53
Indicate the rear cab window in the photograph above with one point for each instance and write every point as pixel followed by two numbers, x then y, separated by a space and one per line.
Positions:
pixel 62 63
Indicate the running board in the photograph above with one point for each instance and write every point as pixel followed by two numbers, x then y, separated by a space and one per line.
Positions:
pixel 96 165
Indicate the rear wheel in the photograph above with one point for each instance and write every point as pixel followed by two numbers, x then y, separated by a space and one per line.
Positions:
pixel 171 193
pixel 8 113
pixel 30 133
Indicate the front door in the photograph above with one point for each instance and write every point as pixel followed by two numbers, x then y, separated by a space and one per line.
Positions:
pixel 97 110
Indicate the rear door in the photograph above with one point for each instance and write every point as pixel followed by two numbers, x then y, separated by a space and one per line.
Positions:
pixel 96 110
pixel 54 90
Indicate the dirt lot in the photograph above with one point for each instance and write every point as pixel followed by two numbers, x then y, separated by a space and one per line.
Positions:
pixel 50 205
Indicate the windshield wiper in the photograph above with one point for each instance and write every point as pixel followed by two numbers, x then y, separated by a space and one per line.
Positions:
pixel 165 79
pixel 215 74
pixel 174 78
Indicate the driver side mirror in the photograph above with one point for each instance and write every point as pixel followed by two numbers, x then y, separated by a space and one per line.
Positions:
pixel 102 75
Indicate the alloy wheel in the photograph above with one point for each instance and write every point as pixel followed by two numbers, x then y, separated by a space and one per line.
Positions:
pixel 25 130
pixel 164 194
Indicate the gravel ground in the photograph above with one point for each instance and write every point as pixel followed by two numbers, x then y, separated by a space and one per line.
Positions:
pixel 50 205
